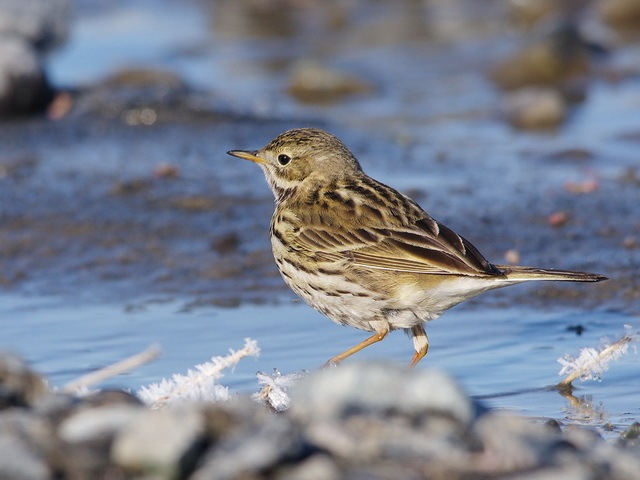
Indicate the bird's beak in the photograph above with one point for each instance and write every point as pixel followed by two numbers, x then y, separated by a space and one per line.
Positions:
pixel 247 155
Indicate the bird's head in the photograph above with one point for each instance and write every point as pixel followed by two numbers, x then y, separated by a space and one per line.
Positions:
pixel 306 155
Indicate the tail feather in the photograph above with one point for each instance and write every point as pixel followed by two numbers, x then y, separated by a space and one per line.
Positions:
pixel 523 274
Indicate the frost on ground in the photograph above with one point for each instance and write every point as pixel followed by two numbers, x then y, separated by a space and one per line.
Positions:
pixel 200 383
pixel 591 363
pixel 275 388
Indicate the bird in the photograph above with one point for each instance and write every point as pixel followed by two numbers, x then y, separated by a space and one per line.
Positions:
pixel 364 254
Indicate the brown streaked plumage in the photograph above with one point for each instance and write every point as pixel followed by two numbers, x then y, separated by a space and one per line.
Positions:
pixel 364 254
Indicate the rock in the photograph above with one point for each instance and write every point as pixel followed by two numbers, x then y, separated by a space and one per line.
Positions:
pixel 260 443
pixel 55 406
pixel 86 428
pixel 220 420
pixel 367 420
pixel 558 219
pixel 582 437
pixel 379 415
pixel 111 397
pixel 87 437
pixel 380 389
pixel 535 108
pixel 631 436
pixel 137 97
pixel 558 58
pixel 43 24
pixel 511 443
pixel 163 443
pixel 620 13
pixel 19 386
pixel 27 29
pixel 24 87
pixel 530 12
pixel 314 83
pixel 226 243
pixel 316 467
pixel 197 203
pixel 19 462
pixel 26 442
pixel 95 423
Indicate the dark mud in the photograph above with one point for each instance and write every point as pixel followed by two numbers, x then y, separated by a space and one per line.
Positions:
pixel 130 195
pixel 88 209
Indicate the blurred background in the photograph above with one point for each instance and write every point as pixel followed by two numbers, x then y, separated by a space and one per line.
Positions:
pixel 123 222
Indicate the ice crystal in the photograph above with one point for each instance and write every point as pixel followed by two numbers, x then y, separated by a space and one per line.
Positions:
pixel 591 363
pixel 275 388
pixel 199 383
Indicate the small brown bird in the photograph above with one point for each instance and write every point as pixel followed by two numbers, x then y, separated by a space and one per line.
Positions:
pixel 364 254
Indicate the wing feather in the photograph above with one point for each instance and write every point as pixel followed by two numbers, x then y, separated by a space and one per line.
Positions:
pixel 413 242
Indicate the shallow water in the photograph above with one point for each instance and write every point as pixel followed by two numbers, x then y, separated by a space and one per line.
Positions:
pixel 432 128
pixel 504 356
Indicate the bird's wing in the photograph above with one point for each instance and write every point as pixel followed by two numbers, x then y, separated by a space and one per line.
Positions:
pixel 412 242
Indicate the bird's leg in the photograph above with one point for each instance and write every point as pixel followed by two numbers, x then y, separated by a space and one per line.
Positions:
pixel 375 338
pixel 420 343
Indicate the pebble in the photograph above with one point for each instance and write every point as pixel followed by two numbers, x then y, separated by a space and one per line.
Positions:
pixel 18 461
pixel 535 108
pixel 28 28
pixel 256 447
pixel 314 83
pixel 531 12
pixel 620 13
pixel 558 58
pixel 159 442
pixel 138 97
pixel 558 219
pixel 332 394
pixel 19 386
pixel 26 441
pixel 90 424
pixel 41 23
pixel 359 420
pixel 24 87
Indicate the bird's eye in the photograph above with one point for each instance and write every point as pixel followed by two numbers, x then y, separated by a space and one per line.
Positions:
pixel 283 159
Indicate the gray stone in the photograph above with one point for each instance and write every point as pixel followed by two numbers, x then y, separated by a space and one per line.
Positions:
pixel 512 443
pixel 312 82
pixel 620 13
pixel 535 108
pixel 19 386
pixel 164 443
pixel 333 394
pixel 26 442
pixel 18 461
pixel 631 436
pixel 316 467
pixel 258 445
pixel 41 23
pixel 27 29
pixel 576 471
pixel 24 87
pixel 556 56
pixel 87 434
pixel 100 422
pixel 385 413
pixel 111 397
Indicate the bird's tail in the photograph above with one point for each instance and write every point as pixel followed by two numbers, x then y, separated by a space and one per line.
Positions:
pixel 524 274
